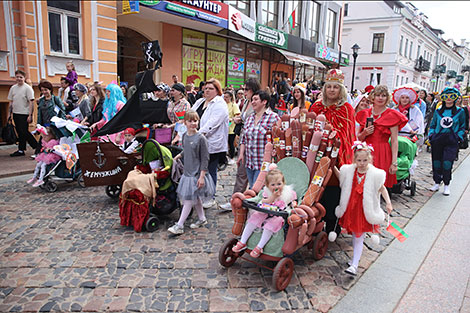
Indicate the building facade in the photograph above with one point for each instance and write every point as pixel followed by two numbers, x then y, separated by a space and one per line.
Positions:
pixel 398 47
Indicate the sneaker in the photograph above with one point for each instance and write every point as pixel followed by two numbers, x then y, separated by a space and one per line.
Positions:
pixel 256 252
pixel 240 246
pixel 350 263
pixel 446 190
pixel 198 224
pixel 435 187
pixel 209 204
pixel 176 229
pixel 33 156
pixel 38 183
pixel 231 162
pixel 31 180
pixel 352 270
pixel 226 206
pixel 17 153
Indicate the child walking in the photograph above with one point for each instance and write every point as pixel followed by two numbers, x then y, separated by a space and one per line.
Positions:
pixel 195 185
pixel 47 155
pixel 359 208
pixel 276 194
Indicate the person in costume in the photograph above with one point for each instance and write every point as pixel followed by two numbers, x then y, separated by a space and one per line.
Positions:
pixel 130 144
pixel 340 114
pixel 405 98
pixel 277 196
pixel 446 131
pixel 195 185
pixel 359 209
pixel 299 100
pixel 360 103
pixel 380 124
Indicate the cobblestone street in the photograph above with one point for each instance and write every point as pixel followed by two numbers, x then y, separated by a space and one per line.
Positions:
pixel 67 251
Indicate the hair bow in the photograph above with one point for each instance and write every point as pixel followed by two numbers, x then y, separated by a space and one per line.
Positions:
pixel 359 145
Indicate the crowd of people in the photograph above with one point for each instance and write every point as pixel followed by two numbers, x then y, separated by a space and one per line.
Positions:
pixel 212 123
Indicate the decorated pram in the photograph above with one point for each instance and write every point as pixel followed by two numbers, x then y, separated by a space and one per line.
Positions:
pixel 305 149
pixel 406 164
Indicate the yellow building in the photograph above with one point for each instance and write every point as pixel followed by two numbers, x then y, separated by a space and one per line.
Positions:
pixel 40 37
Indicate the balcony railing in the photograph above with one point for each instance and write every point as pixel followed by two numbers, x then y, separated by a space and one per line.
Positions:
pixel 451 74
pixel 422 65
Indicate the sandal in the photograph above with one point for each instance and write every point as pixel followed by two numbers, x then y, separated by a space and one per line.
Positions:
pixel 240 246
pixel 256 252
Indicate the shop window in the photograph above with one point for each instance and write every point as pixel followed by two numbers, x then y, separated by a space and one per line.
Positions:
pixel 236 63
pixel 331 29
pixel 64 27
pixel 378 43
pixel 241 5
pixel 314 21
pixel 297 6
pixel 269 12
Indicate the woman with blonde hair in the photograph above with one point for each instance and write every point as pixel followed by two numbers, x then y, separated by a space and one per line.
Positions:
pixel 380 124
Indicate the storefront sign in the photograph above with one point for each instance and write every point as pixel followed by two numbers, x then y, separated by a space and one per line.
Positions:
pixel 270 36
pixel 216 66
pixel 193 65
pixel 241 24
pixel 194 38
pixel 211 12
pixel 129 7
pixel 326 53
pixel 235 70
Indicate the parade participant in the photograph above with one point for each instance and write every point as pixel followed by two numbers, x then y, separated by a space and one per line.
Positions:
pixel 178 104
pixel 233 111
pixel 124 91
pixel 340 114
pixel 49 105
pixel 253 139
pixel 446 131
pixel 240 99
pixel 113 102
pixel 213 112
pixel 72 77
pixel 83 105
pixel 380 124
pixel 194 186
pixel 405 98
pixel 45 157
pixel 154 108
pixel 277 195
pixel 360 103
pixel 67 95
pixel 298 99
pixel 359 209
pixel 21 108
pixel 130 144
pixel 97 97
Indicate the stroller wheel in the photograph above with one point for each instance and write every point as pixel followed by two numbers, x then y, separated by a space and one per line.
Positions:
pixel 283 273
pixel 50 186
pixel 226 256
pixel 113 191
pixel 320 244
pixel 412 188
pixel 152 224
pixel 81 181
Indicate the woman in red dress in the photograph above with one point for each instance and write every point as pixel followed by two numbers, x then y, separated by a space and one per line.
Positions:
pixel 380 124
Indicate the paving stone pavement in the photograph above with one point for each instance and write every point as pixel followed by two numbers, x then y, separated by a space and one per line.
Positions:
pixel 67 252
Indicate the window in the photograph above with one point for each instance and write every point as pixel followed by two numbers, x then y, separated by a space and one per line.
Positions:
pixel 346 9
pixel 269 12
pixel 378 76
pixel 401 45
pixel 406 48
pixel 406 80
pixel 378 43
pixel 330 28
pixel 241 5
pixel 396 9
pixel 64 27
pixel 314 21
pixel 297 6
pixel 396 83
pixel 411 50
pixel 418 52
pixel 402 81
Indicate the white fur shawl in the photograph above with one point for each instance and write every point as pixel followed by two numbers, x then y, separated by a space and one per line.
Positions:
pixel 288 194
pixel 375 178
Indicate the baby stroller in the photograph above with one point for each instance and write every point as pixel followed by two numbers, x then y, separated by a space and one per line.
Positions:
pixel 60 172
pixel 136 208
pixel 406 164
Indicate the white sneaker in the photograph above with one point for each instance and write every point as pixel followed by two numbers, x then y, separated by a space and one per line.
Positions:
pixel 352 270
pixel 209 204
pixel 33 156
pixel 198 224
pixel 435 187
pixel 176 229
pixel 226 207
pixel 231 162
pixel 446 190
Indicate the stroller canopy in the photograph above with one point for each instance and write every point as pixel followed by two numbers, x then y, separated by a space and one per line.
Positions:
pixel 406 155
pixel 151 151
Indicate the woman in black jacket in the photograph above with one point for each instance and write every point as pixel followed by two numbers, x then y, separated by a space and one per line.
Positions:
pixel 97 97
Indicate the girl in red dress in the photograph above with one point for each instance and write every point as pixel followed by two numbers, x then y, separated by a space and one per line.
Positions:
pixel 359 208
pixel 380 124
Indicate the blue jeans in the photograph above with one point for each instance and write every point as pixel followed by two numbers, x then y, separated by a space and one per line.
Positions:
pixel 252 176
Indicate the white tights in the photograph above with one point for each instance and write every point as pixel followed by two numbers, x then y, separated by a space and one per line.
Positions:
pixel 187 206
pixel 249 229
pixel 40 170
pixel 358 244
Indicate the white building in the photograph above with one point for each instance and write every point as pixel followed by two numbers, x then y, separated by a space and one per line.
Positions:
pixel 464 50
pixel 397 46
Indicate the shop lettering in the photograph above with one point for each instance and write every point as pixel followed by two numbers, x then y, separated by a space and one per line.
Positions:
pixel 268 31
pixel 112 172
pixel 191 53
pixel 195 66
pixel 205 5
pixel 215 57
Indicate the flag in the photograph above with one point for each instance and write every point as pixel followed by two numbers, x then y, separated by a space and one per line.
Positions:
pixel 397 232
pixel 85 138
pixel 292 20
pixel 180 115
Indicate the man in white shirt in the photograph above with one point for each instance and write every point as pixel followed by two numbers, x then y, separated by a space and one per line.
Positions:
pixel 21 96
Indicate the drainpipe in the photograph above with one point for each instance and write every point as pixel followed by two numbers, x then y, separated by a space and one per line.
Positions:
pixel 24 38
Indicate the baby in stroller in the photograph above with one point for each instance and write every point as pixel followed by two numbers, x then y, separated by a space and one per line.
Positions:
pixel 46 157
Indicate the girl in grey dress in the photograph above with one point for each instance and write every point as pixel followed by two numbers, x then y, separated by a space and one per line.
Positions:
pixel 194 186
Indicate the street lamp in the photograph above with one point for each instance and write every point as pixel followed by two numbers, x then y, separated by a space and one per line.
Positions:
pixel 354 48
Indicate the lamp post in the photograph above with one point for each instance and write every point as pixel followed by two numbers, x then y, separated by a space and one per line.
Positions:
pixel 354 48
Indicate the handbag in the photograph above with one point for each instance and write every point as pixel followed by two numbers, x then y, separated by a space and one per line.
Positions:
pixel 9 133
pixel 464 143
pixel 163 135
pixel 238 129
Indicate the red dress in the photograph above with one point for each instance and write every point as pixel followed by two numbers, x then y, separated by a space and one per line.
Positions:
pixel 342 120
pixel 379 139
pixel 354 220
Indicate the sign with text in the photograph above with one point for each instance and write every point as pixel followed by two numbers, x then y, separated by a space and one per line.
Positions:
pixel 241 24
pixel 130 7
pixel 216 66
pixel 235 70
pixel 193 65
pixel 271 36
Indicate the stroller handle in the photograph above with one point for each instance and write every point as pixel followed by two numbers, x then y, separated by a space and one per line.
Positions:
pixel 252 206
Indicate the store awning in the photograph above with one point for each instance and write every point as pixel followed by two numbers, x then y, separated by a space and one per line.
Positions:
pixel 301 58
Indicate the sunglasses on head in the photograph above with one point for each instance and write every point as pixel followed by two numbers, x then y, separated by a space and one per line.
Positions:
pixel 452 96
